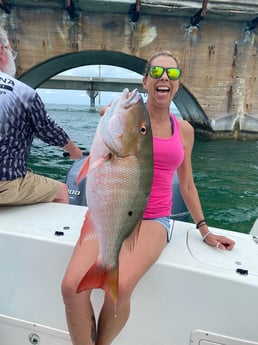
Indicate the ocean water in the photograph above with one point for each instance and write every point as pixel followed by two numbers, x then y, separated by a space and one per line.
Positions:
pixel 225 171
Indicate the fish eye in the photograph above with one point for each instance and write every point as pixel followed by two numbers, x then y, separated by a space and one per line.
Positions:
pixel 143 129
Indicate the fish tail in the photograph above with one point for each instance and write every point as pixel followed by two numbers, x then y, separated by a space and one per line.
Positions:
pixel 99 277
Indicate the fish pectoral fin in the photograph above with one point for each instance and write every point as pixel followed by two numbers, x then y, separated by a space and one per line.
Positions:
pixel 87 231
pixel 130 241
pixel 84 170
pixel 99 161
pixel 100 278
pixel 87 167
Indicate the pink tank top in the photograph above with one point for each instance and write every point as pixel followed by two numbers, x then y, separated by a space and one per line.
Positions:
pixel 168 154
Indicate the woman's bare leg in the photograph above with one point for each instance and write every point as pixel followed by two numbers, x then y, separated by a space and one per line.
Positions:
pixel 79 312
pixel 132 266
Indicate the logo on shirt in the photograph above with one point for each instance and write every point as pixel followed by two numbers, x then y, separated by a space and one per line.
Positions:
pixel 6 84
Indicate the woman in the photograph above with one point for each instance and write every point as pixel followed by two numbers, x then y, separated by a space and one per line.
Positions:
pixel 172 143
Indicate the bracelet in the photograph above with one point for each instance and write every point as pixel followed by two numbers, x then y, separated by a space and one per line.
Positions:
pixel 200 223
pixel 206 235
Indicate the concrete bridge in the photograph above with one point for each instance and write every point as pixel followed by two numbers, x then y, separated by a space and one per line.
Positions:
pixel 93 86
pixel 215 42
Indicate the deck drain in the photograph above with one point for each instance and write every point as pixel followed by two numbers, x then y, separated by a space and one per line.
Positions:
pixel 34 338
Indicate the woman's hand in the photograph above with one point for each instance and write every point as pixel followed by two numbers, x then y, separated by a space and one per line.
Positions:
pixel 218 241
pixel 103 109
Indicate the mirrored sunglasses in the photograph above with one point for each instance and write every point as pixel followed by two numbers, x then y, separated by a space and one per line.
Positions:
pixel 156 72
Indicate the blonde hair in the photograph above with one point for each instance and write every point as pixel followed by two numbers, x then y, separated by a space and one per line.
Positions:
pixel 154 56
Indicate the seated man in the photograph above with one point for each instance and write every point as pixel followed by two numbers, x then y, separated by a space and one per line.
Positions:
pixel 22 117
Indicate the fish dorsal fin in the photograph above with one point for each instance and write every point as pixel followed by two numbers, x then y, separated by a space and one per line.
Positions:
pixel 132 238
pixel 87 231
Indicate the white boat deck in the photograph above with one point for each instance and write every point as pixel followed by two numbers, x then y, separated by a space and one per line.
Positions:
pixel 194 294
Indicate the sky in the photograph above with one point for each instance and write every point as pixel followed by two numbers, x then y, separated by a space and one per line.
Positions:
pixel 80 97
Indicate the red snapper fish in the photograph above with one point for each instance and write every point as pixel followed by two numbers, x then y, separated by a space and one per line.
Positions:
pixel 119 177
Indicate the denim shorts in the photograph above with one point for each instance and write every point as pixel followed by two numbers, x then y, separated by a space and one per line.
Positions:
pixel 167 224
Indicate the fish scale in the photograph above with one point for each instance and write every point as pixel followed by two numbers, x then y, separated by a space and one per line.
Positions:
pixel 122 196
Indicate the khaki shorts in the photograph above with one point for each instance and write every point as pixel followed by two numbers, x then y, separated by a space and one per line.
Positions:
pixel 30 189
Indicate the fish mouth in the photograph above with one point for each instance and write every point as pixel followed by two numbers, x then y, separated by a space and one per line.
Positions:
pixel 129 98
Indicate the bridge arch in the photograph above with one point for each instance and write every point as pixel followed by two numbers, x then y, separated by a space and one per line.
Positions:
pixel 186 103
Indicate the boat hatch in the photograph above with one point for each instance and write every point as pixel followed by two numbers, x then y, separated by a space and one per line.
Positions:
pixel 242 259
pixel 206 338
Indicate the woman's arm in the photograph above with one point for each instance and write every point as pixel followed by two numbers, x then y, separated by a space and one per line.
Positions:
pixel 189 191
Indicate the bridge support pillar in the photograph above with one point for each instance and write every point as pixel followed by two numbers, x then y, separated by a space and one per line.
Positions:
pixel 92 94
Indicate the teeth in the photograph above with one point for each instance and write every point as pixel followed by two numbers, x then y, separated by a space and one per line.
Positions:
pixel 162 89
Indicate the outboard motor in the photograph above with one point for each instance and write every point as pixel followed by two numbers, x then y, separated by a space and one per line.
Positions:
pixel 77 193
